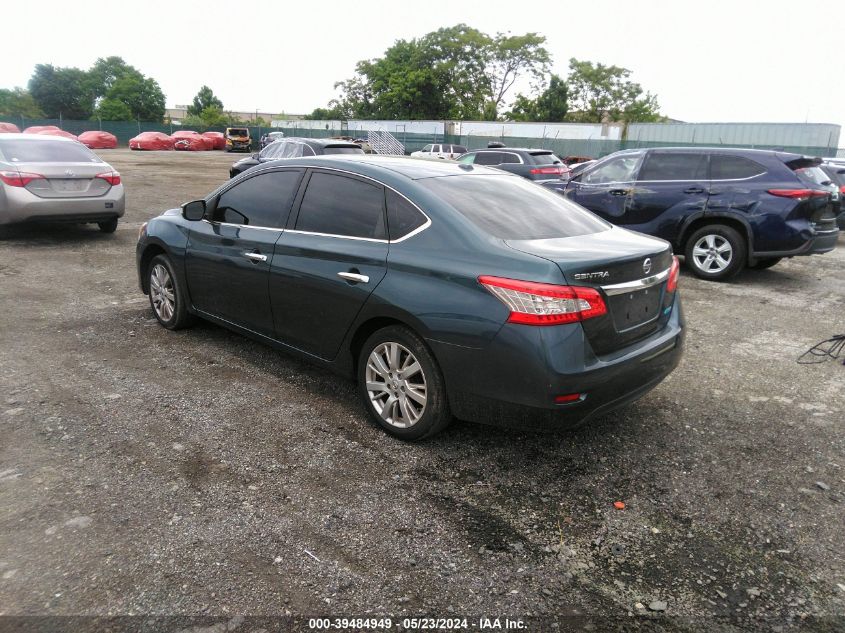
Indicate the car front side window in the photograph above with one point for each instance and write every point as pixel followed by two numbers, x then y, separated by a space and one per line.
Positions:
pixel 263 200
pixel 618 169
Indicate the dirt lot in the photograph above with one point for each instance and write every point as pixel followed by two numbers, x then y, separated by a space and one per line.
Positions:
pixel 150 472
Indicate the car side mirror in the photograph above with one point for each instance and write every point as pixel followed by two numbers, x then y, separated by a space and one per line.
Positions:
pixel 194 210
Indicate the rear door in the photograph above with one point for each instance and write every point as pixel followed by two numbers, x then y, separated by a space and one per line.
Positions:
pixel 228 255
pixel 736 183
pixel 605 187
pixel 670 186
pixel 328 262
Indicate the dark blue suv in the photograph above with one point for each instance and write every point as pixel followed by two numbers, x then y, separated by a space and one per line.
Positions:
pixel 724 209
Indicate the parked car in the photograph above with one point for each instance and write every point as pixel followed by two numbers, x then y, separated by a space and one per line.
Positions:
pixel 539 165
pixel 51 178
pixel 151 141
pixel 294 148
pixel 577 168
pixel 443 289
pixel 238 139
pixel 96 139
pixel 271 137
pixel 440 150
pixel 836 174
pixel 723 208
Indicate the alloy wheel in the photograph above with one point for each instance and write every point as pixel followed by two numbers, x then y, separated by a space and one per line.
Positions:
pixel 712 253
pixel 162 294
pixel 396 385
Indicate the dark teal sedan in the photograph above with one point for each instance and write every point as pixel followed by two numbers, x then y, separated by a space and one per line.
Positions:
pixel 443 289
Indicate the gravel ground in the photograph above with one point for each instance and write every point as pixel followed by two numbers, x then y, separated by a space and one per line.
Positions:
pixel 200 473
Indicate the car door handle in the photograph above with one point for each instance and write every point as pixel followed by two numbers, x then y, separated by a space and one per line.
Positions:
pixel 694 190
pixel 354 277
pixel 256 257
pixel 618 192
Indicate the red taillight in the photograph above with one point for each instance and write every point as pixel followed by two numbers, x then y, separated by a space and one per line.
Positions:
pixel 534 303
pixel 19 179
pixel 674 273
pixel 551 171
pixel 570 397
pixel 111 177
pixel 842 189
pixel 798 194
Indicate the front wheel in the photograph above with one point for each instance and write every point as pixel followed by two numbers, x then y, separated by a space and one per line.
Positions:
pixel 716 252
pixel 401 384
pixel 167 297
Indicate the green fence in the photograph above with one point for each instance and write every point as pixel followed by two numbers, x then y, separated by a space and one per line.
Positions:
pixel 124 130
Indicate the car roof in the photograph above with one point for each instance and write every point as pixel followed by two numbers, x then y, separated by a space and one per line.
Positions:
pixel 375 165
pixel 321 142
pixel 529 150
pixel 35 137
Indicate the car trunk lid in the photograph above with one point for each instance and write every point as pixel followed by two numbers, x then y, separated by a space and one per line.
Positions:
pixel 67 180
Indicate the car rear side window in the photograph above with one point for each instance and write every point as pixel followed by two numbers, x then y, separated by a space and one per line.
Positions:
pixel 812 175
pixel 458 149
pixel 510 207
pixel 263 200
pixel 488 158
pixel 402 216
pixel 545 158
pixel 724 167
pixel 337 205
pixel 616 169
pixel 46 151
pixel 674 166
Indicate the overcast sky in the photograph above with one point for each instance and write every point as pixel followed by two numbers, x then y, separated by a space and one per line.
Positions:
pixel 707 60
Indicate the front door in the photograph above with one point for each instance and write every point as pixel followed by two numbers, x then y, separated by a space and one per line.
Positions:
pixel 329 263
pixel 606 188
pixel 228 254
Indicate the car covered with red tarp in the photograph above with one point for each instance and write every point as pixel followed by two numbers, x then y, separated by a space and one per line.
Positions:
pixel 218 138
pixel 95 139
pixel 190 141
pixel 37 129
pixel 58 132
pixel 8 127
pixel 151 141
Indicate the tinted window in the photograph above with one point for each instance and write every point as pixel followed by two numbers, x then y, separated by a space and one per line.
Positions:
pixel 674 166
pixel 725 167
pixel 507 157
pixel 834 172
pixel 458 149
pixel 402 216
pixel 338 205
pixel 488 158
pixel 46 151
pixel 262 200
pixel 618 169
pixel 307 150
pixel 342 149
pixel 510 207
pixel 467 159
pixel 545 158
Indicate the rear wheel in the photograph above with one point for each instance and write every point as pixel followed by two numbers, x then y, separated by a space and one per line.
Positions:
pixel 167 297
pixel 715 252
pixel 765 262
pixel 109 226
pixel 401 384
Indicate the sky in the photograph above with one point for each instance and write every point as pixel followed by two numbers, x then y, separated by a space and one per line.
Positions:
pixel 706 60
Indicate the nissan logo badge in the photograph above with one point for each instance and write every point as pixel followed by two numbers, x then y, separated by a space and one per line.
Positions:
pixel 647 265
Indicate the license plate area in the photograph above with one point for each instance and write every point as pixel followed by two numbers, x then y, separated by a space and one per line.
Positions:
pixel 634 309
pixel 69 185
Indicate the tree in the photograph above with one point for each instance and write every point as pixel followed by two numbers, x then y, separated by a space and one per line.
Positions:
pixel 61 92
pixel 203 99
pixel 18 103
pixel 142 95
pixel 113 110
pixel 598 92
pixel 551 105
pixel 106 71
pixel 512 56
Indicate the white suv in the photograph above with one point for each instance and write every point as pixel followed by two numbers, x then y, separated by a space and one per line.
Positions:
pixel 440 151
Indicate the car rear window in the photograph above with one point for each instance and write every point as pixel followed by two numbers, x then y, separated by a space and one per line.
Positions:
pixel 812 176
pixel 458 149
pixel 342 149
pixel 512 208
pixel 545 158
pixel 46 151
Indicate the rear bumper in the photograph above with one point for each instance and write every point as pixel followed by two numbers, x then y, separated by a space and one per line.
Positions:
pixel 821 242
pixel 17 205
pixel 513 382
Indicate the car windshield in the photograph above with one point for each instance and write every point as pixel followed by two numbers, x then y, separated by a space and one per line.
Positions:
pixel 509 207
pixel 545 158
pixel 238 131
pixel 46 151
pixel 342 149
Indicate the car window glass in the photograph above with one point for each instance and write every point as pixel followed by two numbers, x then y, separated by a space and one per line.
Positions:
pixel 812 175
pixel 724 167
pixel 342 149
pixel 509 207
pixel 427 148
pixel 674 166
pixel 288 151
pixel 402 216
pixel 307 150
pixel 507 157
pixel 545 158
pixel 458 149
pixel 338 205
pixel 488 158
pixel 46 151
pixel 618 169
pixel 263 200
pixel 467 159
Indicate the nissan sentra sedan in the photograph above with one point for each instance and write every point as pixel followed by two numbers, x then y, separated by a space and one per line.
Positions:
pixel 442 289
pixel 50 178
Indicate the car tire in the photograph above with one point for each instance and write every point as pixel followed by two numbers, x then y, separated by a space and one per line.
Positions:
pixel 109 226
pixel 167 296
pixel 715 252
pixel 383 362
pixel 765 262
